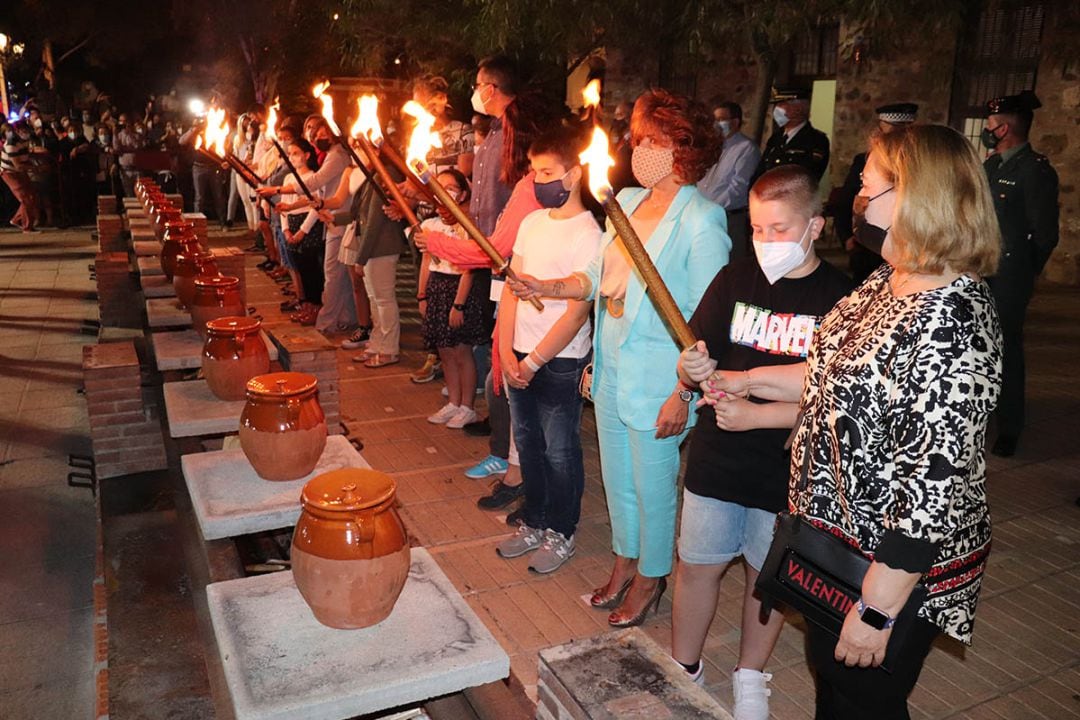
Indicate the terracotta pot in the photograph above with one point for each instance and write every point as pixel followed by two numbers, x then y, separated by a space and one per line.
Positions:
pixel 191 263
pixel 350 553
pixel 177 235
pixel 215 296
pixel 151 197
pixel 234 352
pixel 282 427
pixel 164 214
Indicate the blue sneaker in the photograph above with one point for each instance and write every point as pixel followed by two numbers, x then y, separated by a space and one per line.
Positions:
pixel 491 465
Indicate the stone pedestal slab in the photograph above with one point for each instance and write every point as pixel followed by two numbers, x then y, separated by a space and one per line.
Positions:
pixel 156 286
pixel 280 663
pixel 149 266
pixel 164 313
pixel 147 248
pixel 193 410
pixel 230 499
pixel 182 350
pixel 622 674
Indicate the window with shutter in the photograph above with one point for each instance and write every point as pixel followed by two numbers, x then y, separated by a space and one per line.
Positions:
pixel 998 55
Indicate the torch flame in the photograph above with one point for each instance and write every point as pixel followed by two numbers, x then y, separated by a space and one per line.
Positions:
pixel 319 91
pixel 272 120
pixel 597 158
pixel 216 133
pixel 423 136
pixel 590 96
pixel 367 119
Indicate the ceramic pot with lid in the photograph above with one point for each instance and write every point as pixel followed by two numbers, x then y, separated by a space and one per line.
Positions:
pixel 215 296
pixel 177 235
pixel 233 353
pixel 191 263
pixel 165 214
pixel 282 426
pixel 350 552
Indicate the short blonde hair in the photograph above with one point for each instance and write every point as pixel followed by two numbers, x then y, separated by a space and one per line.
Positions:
pixel 944 212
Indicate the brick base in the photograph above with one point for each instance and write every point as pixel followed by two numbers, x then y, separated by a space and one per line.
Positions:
pixel 308 351
pixel 116 290
pixel 125 425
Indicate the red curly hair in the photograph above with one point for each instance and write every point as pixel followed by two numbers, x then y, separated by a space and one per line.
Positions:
pixel 685 122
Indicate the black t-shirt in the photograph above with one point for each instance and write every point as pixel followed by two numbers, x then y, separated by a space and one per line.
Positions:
pixel 748 323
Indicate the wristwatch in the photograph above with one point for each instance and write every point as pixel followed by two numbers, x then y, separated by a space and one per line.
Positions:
pixel 685 393
pixel 459 308
pixel 873 617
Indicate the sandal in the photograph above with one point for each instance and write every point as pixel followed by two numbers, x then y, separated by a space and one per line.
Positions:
pixel 379 360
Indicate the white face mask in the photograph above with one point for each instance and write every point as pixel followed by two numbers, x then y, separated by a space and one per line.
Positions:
pixel 779 116
pixel 478 102
pixel 651 165
pixel 779 258
pixel 724 126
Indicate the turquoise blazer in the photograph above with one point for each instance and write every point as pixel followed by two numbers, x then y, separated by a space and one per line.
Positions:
pixel 689 246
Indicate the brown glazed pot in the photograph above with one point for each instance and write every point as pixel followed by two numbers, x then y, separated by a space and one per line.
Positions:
pixel 152 196
pixel 350 553
pixel 177 235
pixel 233 353
pixel 165 214
pixel 192 262
pixel 215 296
pixel 282 427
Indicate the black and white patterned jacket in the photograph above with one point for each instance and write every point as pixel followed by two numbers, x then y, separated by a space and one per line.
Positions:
pixel 897 397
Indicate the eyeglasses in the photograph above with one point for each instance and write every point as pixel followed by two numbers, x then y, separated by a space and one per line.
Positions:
pixel 477 86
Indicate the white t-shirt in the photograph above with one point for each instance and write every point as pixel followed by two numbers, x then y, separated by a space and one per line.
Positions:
pixel 551 248
pixel 437 264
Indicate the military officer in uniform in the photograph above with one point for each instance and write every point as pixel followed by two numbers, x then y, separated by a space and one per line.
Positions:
pixel 849 206
pixel 1025 191
pixel 794 141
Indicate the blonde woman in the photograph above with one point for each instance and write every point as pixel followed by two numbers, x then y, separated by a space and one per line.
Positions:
pixel 890 452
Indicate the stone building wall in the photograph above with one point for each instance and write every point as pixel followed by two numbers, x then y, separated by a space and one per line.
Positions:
pixel 1056 134
pixel 914 69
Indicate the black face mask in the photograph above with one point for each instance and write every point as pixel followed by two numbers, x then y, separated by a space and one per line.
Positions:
pixel 323 144
pixel 869 236
pixel 551 194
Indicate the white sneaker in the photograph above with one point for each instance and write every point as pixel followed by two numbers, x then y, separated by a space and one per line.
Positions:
pixel 751 695
pixel 698 678
pixel 464 416
pixel 445 414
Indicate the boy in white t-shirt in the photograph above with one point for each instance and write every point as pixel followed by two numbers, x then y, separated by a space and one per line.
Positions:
pixel 543 354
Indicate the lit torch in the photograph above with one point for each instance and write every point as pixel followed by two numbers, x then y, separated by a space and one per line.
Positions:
pixel 366 131
pixel 590 102
pixel 319 91
pixel 214 145
pixel 271 132
pixel 423 139
pixel 597 158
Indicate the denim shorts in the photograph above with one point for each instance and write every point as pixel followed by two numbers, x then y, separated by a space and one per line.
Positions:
pixel 715 532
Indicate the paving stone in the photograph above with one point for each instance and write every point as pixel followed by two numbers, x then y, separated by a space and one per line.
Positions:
pixel 182 349
pixel 193 410
pixel 280 663
pixel 230 499
pixel 147 248
pixel 165 313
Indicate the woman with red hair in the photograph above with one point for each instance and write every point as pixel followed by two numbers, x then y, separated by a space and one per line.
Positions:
pixel 642 409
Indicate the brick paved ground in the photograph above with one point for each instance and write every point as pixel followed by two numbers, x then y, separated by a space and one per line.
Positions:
pixel 1026 659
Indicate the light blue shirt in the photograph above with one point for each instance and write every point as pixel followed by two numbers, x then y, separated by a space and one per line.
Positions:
pixel 727 183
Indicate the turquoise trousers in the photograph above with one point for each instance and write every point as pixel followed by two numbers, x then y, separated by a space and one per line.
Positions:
pixel 641 483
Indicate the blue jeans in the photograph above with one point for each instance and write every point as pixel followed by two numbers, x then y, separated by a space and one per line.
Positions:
pixel 547 429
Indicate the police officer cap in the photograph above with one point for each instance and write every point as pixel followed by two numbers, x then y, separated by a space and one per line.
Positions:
pixel 897 112
pixel 794 92
pixel 1025 102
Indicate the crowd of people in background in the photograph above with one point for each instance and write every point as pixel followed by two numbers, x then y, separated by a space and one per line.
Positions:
pixel 861 404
